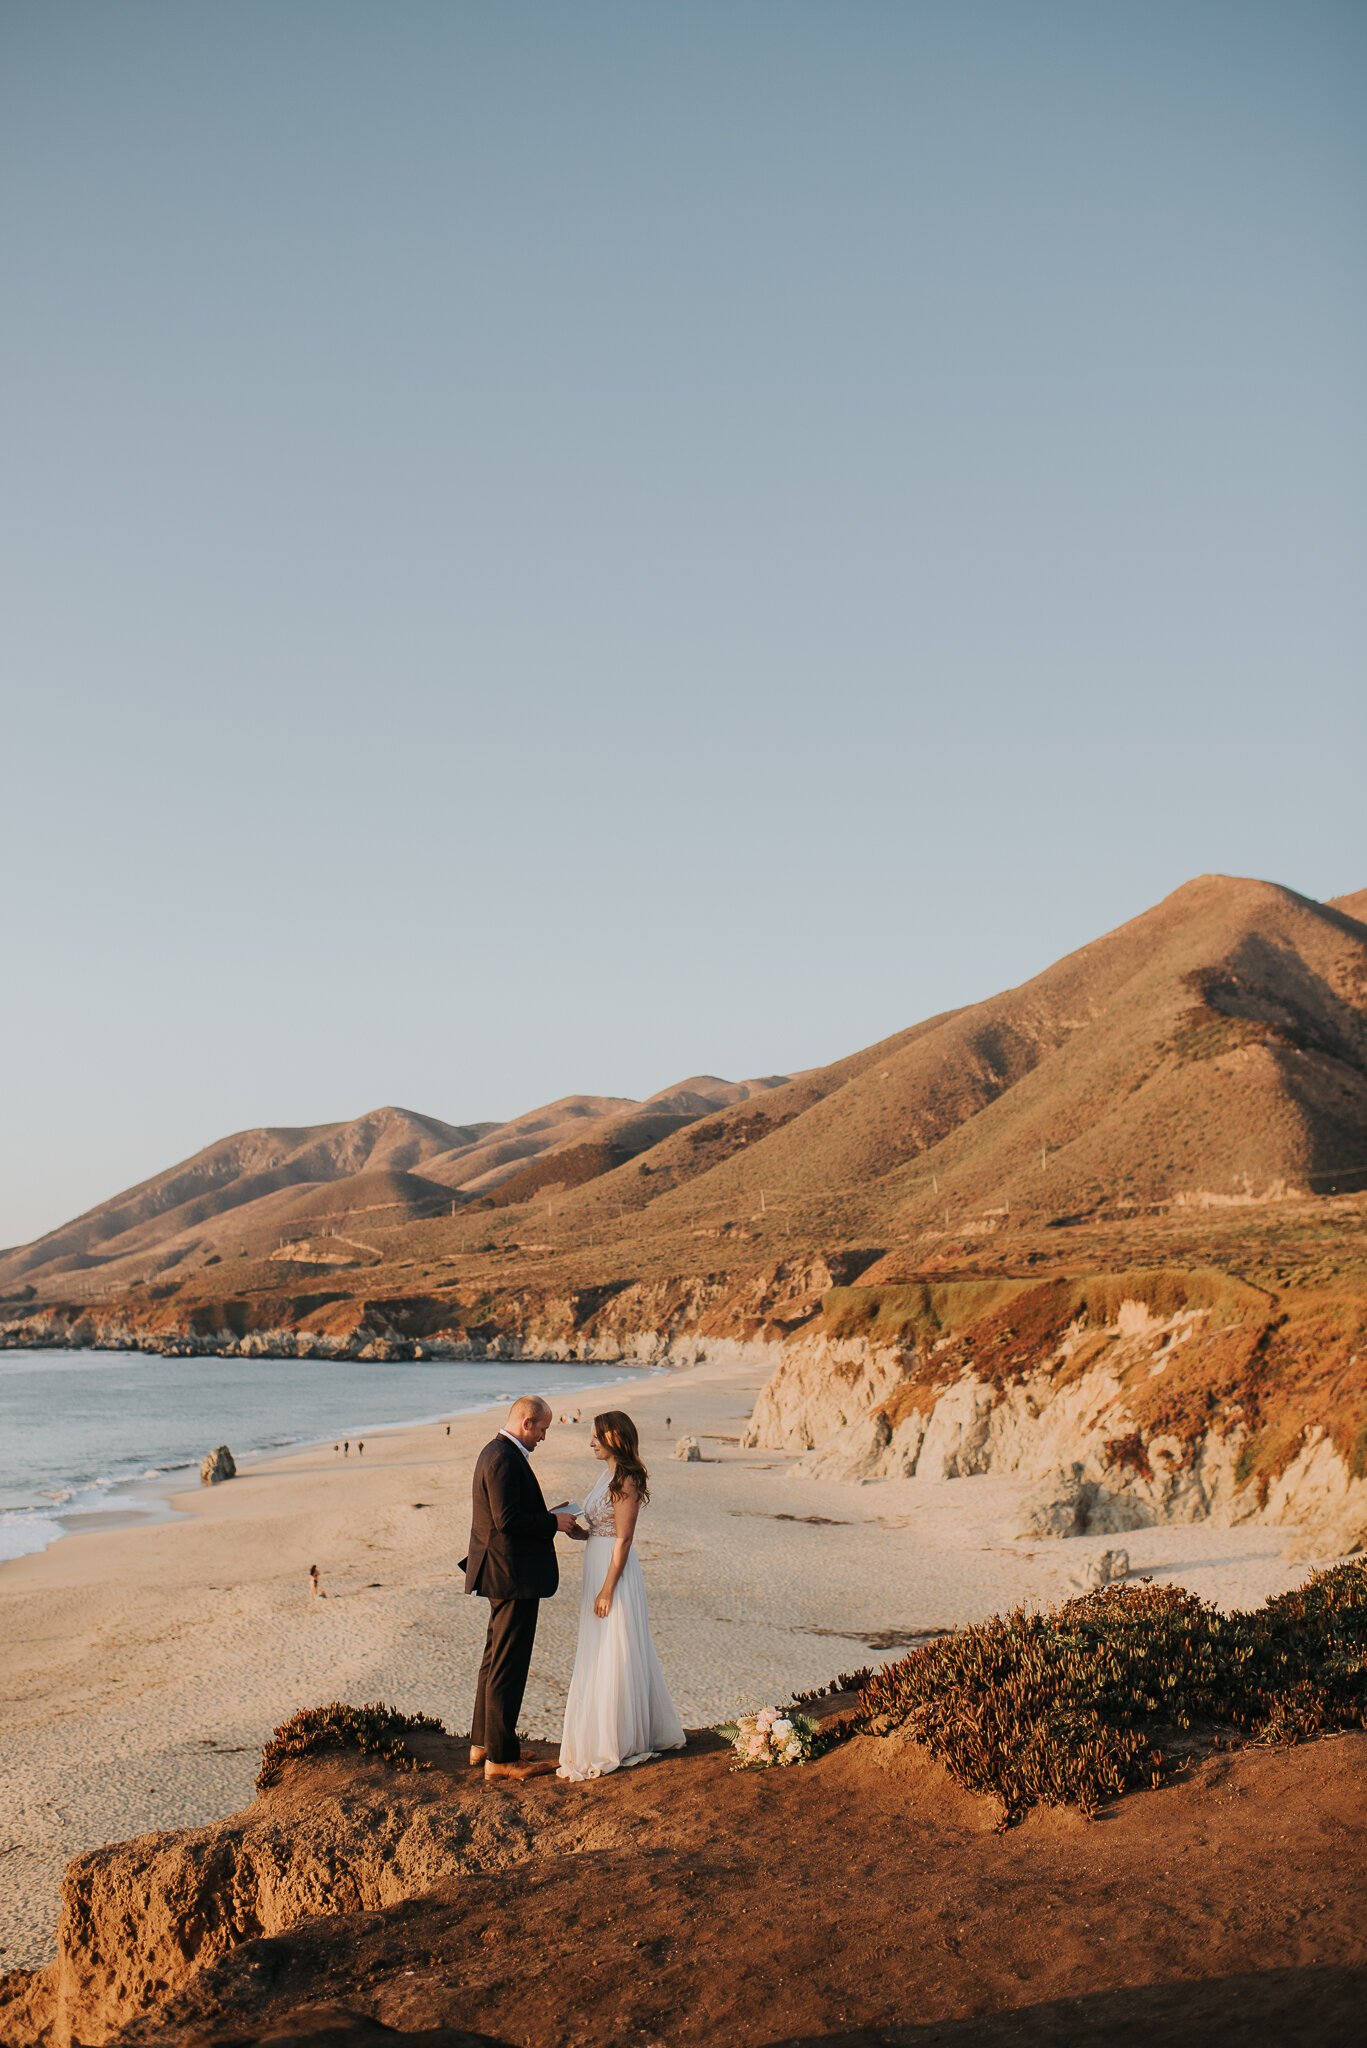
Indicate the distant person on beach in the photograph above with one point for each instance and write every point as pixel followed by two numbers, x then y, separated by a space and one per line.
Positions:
pixel 511 1563
pixel 346 1448
pixel 360 1450
pixel 448 1429
pixel 619 1709
pixel 315 1584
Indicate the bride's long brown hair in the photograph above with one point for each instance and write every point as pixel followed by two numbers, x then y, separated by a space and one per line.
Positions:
pixel 617 1434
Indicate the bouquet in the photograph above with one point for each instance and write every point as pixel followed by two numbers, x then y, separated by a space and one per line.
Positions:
pixel 773 1736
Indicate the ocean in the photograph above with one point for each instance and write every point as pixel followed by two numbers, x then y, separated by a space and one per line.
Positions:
pixel 87 1434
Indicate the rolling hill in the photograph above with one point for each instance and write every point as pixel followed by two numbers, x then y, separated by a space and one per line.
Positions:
pixel 1207 1058
pixel 1212 1051
pixel 250 1194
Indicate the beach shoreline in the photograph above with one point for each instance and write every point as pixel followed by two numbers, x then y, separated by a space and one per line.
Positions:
pixel 147 1669
pixel 143 1499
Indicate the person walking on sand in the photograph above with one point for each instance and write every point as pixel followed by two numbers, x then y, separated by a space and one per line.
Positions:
pixel 315 1584
pixel 619 1709
pixel 511 1563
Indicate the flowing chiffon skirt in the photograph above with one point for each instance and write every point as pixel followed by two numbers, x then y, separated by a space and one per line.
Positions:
pixel 619 1710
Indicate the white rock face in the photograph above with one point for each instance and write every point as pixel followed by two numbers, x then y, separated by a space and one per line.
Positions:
pixel 822 1385
pixel 1069 1504
pixel 1106 1570
pixel 832 1399
pixel 1058 1506
pixel 958 1439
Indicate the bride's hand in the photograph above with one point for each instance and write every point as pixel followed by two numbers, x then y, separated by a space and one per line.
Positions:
pixel 602 1606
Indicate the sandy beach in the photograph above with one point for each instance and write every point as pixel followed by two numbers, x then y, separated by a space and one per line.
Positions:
pixel 144 1667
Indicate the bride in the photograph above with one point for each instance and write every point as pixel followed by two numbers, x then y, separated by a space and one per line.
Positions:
pixel 619 1710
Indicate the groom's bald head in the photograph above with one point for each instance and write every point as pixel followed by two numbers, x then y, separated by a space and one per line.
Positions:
pixel 528 1419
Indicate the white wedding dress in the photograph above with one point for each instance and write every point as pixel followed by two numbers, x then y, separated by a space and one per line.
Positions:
pixel 619 1710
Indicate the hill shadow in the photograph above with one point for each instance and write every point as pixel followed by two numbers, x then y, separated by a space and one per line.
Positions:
pixel 1315 2006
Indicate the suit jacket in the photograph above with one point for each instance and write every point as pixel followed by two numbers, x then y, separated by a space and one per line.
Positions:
pixel 512 1531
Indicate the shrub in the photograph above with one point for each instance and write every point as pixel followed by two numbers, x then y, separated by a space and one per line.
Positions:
pixel 374 1730
pixel 1082 1702
pixel 1130 1453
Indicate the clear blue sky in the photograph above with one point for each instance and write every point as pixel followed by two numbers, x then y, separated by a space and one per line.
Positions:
pixel 553 547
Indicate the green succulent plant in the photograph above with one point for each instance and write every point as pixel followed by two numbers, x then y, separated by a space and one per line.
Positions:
pixel 1079 1703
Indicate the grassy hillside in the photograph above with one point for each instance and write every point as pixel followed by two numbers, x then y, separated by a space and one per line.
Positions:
pixel 1195 1078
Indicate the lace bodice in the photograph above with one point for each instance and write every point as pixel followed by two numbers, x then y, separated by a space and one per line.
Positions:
pixel 600 1511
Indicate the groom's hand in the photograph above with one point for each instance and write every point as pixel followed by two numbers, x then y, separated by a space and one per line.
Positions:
pixel 565 1524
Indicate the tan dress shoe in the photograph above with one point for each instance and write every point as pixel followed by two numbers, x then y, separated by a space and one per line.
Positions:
pixel 543 1768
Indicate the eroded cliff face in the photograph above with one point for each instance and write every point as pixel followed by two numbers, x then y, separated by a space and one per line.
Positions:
pixel 665 1322
pixel 1088 1417
pixel 345 1904
pixel 140 1918
pixel 821 1399
pixel 1158 1395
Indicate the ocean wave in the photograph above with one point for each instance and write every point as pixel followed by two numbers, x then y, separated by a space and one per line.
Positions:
pixel 51 1450
pixel 24 1530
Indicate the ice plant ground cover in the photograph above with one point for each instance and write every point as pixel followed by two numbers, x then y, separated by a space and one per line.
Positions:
pixel 1079 1703
pixel 771 1737
pixel 372 1730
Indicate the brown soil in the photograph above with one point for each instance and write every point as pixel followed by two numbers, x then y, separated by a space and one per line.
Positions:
pixel 864 1899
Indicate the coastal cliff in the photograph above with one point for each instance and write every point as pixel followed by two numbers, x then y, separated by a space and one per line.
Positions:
pixel 1104 1229
pixel 655 1322
pixel 1158 1394
pixel 1154 1396
pixel 695 1905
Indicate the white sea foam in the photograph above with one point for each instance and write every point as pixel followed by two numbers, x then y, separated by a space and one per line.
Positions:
pixel 24 1530
pixel 77 1440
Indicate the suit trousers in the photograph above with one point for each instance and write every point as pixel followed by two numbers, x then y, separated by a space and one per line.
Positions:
pixel 503 1678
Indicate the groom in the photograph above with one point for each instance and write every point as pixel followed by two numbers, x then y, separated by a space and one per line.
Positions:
pixel 512 1565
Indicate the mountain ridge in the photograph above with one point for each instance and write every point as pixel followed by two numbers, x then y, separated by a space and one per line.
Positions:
pixel 1211 1051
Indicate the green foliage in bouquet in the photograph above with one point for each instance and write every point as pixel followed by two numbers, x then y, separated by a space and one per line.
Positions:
pixel 772 1737
pixel 374 1730
pixel 1079 1703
